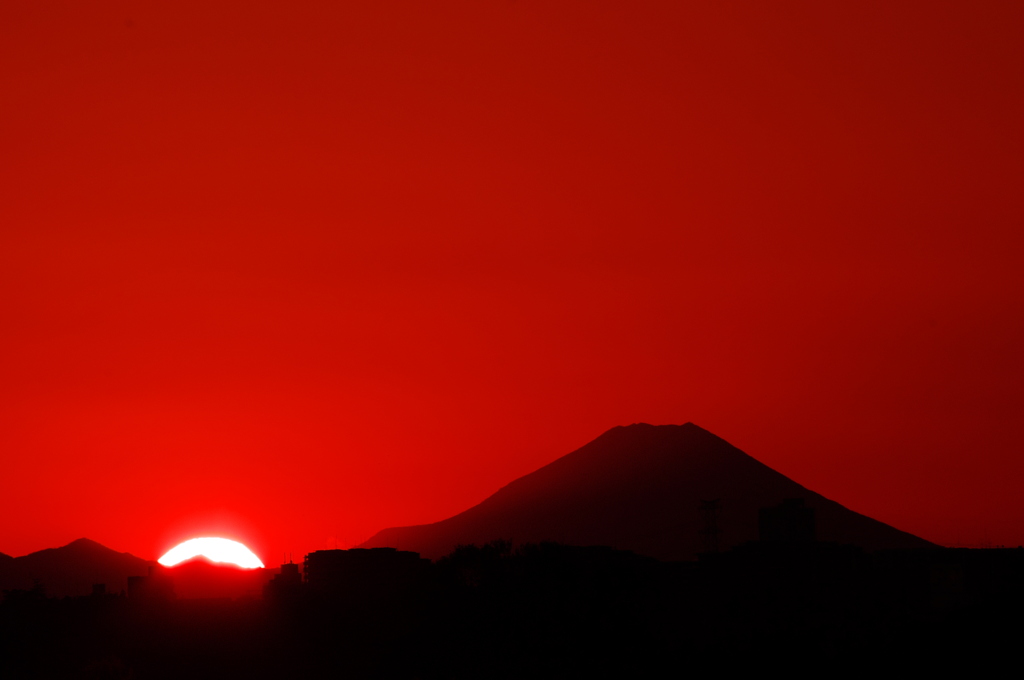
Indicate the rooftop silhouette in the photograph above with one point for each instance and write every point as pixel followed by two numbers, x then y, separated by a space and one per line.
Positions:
pixel 534 610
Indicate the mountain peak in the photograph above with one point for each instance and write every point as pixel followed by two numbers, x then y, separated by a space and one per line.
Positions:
pixel 641 429
pixel 639 487
pixel 84 546
pixel 72 569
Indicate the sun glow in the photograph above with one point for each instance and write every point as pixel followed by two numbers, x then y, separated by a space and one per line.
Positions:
pixel 213 549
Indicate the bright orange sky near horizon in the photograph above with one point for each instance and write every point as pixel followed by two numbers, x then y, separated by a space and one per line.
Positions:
pixel 291 273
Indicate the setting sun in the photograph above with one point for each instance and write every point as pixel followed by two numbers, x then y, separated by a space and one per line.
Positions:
pixel 214 549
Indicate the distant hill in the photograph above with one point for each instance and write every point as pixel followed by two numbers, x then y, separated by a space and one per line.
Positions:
pixel 72 569
pixel 639 488
pixel 199 578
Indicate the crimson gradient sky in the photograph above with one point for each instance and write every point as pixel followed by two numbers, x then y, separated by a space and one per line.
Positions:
pixel 293 272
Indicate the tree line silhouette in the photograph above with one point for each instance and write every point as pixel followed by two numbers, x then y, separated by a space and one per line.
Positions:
pixel 536 610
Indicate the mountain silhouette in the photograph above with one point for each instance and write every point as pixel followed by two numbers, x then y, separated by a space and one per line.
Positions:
pixel 640 488
pixel 199 578
pixel 72 570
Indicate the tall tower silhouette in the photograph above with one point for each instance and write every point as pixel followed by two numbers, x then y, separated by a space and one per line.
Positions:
pixel 710 532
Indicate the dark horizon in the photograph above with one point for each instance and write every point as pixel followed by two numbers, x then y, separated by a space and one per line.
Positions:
pixel 814 583
pixel 784 600
pixel 638 463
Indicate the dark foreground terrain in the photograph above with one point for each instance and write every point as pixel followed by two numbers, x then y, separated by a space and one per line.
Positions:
pixel 551 610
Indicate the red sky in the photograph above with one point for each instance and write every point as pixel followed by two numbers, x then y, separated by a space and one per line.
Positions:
pixel 294 272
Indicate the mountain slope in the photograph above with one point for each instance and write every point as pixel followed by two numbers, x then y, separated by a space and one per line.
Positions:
pixel 639 488
pixel 72 569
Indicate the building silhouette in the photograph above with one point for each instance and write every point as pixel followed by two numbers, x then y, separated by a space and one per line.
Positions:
pixel 156 587
pixel 710 533
pixel 362 573
pixel 286 584
pixel 789 522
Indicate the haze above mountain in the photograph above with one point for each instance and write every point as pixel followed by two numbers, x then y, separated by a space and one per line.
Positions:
pixel 640 488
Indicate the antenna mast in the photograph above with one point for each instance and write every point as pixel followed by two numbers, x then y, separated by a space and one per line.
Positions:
pixel 710 533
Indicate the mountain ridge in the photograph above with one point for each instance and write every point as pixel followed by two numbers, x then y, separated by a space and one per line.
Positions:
pixel 638 487
pixel 72 569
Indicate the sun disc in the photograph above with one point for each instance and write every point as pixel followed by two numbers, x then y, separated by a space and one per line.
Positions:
pixel 214 549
